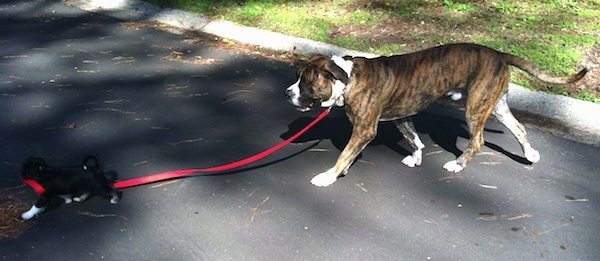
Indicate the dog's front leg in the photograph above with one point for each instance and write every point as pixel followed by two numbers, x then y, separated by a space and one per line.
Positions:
pixel 361 136
pixel 407 128
pixel 36 209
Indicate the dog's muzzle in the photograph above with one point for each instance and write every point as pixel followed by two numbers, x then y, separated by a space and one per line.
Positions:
pixel 292 94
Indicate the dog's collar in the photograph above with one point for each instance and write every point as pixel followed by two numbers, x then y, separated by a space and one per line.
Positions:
pixel 35 186
pixel 337 95
pixel 339 88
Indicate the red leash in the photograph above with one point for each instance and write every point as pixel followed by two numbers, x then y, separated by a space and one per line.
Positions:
pixel 181 173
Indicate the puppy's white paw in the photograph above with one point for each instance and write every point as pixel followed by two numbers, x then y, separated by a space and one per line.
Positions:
pixel 82 197
pixel 453 166
pixel 66 198
pixel 27 215
pixel 531 154
pixel 324 179
pixel 411 161
pixel 34 211
pixel 114 201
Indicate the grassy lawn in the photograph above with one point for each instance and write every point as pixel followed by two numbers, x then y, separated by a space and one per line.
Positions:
pixel 556 35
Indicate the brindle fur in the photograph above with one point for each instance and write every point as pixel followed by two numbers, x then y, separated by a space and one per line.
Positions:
pixel 396 87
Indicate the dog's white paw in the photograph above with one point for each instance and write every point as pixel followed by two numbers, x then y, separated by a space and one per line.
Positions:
pixel 27 215
pixel 324 179
pixel 411 161
pixel 34 211
pixel 531 154
pixel 81 198
pixel 453 166
pixel 66 198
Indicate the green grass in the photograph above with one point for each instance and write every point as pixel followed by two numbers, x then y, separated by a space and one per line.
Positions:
pixel 552 34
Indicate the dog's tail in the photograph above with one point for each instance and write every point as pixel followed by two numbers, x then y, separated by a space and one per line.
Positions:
pixel 87 160
pixel 532 70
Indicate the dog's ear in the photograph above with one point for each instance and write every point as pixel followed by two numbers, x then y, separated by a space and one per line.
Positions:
pixel 316 57
pixel 326 64
pixel 314 60
pixel 337 72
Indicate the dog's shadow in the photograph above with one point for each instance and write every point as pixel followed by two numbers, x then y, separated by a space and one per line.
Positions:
pixel 444 131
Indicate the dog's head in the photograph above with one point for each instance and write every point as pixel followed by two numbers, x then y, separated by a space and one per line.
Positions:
pixel 321 82
pixel 33 168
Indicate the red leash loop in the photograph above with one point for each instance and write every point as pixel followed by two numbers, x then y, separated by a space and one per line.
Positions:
pixel 181 173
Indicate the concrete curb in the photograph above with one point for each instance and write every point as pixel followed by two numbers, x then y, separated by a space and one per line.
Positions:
pixel 562 116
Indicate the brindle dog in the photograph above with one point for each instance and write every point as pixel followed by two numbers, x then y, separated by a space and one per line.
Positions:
pixel 396 87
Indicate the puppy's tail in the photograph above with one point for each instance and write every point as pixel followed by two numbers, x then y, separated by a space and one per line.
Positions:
pixel 532 70
pixel 86 160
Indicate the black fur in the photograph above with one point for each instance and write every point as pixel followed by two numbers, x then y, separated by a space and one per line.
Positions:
pixel 70 183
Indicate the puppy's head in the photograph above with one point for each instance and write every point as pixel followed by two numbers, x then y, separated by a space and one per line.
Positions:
pixel 321 82
pixel 33 168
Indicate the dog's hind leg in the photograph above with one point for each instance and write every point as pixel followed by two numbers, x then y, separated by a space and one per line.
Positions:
pixel 111 193
pixel 481 100
pixel 115 196
pixel 476 141
pixel 407 128
pixel 81 197
pixel 503 114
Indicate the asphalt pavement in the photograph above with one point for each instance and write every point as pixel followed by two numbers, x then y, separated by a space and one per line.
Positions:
pixel 74 82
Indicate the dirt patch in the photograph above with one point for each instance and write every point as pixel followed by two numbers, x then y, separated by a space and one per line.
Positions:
pixel 11 224
pixel 591 82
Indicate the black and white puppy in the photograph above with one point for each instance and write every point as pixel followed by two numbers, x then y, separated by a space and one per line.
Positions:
pixel 69 183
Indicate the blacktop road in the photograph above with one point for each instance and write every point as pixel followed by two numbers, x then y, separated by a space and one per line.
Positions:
pixel 74 82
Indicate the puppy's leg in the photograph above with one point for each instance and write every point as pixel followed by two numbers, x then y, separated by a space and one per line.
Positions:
pixel 503 114
pixel 111 193
pixel 81 197
pixel 115 196
pixel 105 189
pixel 36 209
pixel 67 198
pixel 407 128
pixel 361 136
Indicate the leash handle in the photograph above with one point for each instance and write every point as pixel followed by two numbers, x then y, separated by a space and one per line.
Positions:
pixel 181 173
